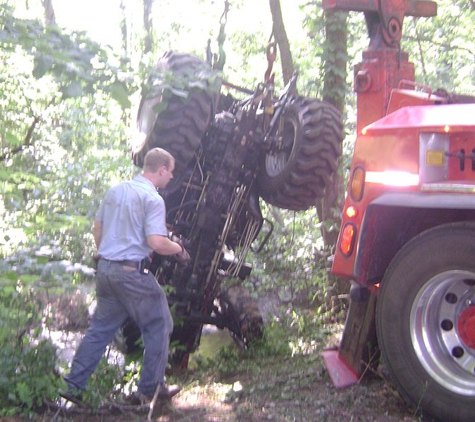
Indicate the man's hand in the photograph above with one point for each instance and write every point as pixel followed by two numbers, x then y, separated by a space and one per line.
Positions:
pixel 182 257
pixel 96 259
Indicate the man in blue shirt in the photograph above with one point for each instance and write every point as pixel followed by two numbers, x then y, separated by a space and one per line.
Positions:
pixel 128 226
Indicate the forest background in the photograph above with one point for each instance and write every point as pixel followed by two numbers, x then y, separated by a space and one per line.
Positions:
pixel 70 84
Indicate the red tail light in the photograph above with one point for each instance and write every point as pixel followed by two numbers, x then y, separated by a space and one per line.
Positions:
pixel 348 237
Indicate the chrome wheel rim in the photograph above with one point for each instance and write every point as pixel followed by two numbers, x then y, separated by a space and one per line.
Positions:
pixel 442 330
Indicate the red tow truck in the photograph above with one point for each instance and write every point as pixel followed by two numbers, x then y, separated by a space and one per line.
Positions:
pixel 407 238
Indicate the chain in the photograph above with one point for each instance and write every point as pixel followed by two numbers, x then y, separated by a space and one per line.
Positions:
pixel 271 52
pixel 221 59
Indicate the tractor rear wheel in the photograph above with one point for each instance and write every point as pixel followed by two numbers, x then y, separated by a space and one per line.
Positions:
pixel 295 175
pixel 426 321
pixel 175 118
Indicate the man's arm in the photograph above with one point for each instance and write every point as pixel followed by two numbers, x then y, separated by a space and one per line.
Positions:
pixel 97 231
pixel 163 245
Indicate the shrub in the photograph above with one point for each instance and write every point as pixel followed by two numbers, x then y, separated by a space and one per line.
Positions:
pixel 27 362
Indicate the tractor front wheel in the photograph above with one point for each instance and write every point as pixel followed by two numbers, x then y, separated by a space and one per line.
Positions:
pixel 295 172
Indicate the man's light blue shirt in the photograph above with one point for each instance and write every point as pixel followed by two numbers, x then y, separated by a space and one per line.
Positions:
pixel 130 212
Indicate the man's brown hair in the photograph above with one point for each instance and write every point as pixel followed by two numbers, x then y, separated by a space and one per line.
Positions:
pixel 156 158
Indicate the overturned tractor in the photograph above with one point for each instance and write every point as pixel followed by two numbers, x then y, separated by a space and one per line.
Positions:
pixel 229 154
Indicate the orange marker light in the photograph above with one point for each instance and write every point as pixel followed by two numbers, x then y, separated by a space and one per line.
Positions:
pixel 446 128
pixel 357 183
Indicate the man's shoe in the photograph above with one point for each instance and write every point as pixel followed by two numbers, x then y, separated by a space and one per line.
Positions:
pixel 138 399
pixel 164 393
pixel 74 396
pixel 167 392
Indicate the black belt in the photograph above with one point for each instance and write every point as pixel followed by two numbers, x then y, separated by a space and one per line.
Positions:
pixel 126 262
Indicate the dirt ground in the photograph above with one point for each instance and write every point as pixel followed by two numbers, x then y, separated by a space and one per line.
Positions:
pixel 290 389
pixel 262 387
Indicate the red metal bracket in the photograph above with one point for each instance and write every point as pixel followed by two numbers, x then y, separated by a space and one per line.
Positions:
pixel 390 13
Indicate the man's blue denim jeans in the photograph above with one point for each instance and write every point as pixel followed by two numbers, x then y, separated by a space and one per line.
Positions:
pixel 121 292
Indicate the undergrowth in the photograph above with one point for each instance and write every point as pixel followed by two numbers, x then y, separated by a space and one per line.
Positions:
pixel 27 365
pixel 293 334
pixel 38 294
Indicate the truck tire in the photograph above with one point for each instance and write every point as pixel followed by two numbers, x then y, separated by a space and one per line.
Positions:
pixel 425 321
pixel 178 127
pixel 294 177
pixel 244 318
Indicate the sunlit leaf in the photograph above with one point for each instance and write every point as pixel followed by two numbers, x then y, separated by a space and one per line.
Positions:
pixel 198 84
pixel 159 107
pixel 11 276
pixel 4 175
pixel 12 139
pixel 43 64
pixel 28 279
pixel 179 93
pixel 72 90
pixel 120 94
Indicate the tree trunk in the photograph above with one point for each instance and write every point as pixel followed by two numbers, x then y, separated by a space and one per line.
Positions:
pixel 336 58
pixel 282 40
pixel 123 28
pixel 147 22
pixel 50 18
pixel 334 90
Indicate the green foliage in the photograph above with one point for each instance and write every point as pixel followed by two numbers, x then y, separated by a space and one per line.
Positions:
pixel 336 58
pixel 62 147
pixel 27 362
pixel 78 64
pixel 285 336
pixel 60 153
pixel 164 85
pixel 57 206
pixel 64 127
pixel 293 263
pixel 105 382
pixel 442 47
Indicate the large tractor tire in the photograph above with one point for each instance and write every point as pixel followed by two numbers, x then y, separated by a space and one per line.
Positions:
pixel 167 119
pixel 128 337
pixel 426 322
pixel 296 176
pixel 244 318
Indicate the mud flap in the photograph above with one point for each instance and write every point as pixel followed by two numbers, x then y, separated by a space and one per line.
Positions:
pixel 358 354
